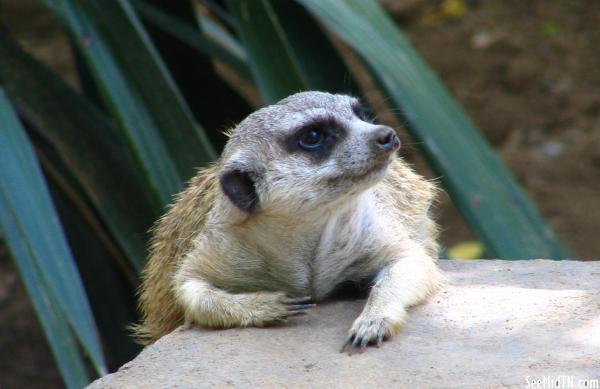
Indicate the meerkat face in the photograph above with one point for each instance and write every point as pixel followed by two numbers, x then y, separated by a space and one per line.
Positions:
pixel 310 149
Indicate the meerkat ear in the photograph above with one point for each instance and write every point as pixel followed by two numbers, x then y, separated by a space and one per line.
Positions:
pixel 238 186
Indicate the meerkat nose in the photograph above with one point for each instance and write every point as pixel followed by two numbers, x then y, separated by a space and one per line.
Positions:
pixel 386 139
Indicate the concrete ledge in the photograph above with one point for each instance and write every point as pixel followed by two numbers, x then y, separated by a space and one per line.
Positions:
pixel 497 324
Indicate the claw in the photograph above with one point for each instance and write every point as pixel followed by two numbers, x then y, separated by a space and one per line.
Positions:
pixel 296 300
pixel 363 344
pixel 365 333
pixel 381 337
pixel 354 345
pixel 295 313
pixel 347 343
pixel 379 340
pixel 301 306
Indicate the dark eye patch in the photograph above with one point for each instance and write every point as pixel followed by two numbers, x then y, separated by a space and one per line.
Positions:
pixel 362 112
pixel 330 132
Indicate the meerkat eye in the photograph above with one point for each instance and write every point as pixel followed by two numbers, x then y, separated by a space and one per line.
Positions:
pixel 311 139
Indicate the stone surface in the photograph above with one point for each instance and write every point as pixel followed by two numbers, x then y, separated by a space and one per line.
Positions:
pixel 496 324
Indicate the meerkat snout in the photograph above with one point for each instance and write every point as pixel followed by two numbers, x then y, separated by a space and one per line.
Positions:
pixel 386 140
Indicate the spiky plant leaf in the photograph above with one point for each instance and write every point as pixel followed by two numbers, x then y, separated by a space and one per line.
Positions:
pixel 38 246
pixel 91 146
pixel 212 40
pixel 286 49
pixel 137 90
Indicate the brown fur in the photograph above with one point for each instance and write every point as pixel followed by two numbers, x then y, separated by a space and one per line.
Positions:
pixel 172 238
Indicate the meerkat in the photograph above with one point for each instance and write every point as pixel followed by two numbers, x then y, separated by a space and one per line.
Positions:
pixel 308 194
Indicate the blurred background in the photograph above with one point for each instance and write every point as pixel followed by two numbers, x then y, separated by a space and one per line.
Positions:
pixel 526 72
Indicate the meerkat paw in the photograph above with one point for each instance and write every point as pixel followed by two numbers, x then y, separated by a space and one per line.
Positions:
pixel 274 308
pixel 370 330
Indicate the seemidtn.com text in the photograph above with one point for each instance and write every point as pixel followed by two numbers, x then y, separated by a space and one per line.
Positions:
pixel 561 382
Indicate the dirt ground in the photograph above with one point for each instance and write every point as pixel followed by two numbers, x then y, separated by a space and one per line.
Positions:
pixel 528 72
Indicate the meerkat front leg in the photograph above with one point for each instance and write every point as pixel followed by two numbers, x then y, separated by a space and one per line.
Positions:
pixel 407 280
pixel 205 305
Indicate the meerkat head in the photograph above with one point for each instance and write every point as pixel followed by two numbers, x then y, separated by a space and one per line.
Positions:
pixel 309 150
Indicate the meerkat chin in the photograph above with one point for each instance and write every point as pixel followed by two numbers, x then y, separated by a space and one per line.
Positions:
pixel 308 194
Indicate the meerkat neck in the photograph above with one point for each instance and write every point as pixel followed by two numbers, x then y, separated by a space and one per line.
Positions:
pixel 280 233
pixel 316 219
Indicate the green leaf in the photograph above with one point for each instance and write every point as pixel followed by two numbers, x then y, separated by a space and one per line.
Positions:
pixel 137 90
pixel 38 246
pixel 217 10
pixel 287 51
pixel 110 289
pixel 220 36
pixel 63 344
pixel 493 204
pixel 211 41
pixel 321 65
pixel 91 146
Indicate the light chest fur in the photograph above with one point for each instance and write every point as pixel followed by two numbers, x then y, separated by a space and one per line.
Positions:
pixel 306 256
